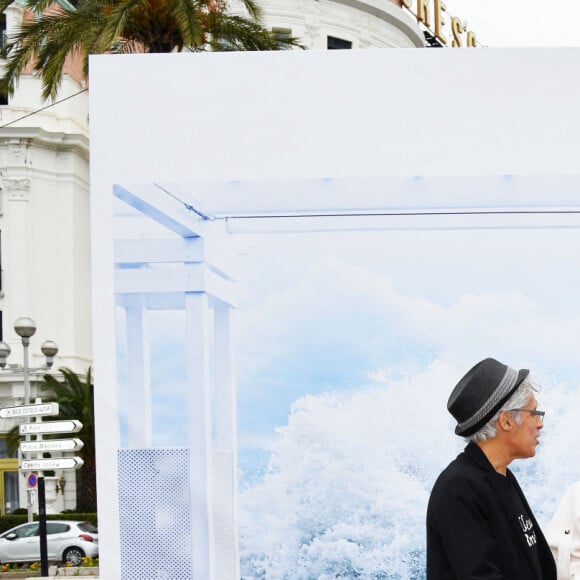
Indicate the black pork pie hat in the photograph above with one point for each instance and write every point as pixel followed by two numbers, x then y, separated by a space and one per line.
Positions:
pixel 480 394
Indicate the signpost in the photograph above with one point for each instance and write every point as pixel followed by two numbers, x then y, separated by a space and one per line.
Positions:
pixel 29 410
pixel 71 426
pixel 51 445
pixel 48 464
pixel 44 446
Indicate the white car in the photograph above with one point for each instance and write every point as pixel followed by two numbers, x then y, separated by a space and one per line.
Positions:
pixel 67 541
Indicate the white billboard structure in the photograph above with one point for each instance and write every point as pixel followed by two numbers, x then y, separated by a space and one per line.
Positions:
pixel 185 496
pixel 207 150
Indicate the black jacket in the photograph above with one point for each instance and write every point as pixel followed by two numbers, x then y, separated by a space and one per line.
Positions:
pixel 469 533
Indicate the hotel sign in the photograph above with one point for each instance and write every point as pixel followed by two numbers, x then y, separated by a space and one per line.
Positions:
pixel 436 18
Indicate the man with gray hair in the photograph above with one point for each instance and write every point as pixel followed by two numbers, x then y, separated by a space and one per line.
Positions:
pixel 479 524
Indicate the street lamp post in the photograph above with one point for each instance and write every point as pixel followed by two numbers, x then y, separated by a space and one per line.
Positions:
pixel 25 328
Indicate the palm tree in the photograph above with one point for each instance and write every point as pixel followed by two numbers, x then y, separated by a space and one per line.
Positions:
pixel 75 399
pixel 58 31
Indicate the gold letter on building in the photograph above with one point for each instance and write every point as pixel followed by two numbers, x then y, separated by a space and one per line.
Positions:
pixel 423 12
pixel 439 22
pixel 471 39
pixel 457 30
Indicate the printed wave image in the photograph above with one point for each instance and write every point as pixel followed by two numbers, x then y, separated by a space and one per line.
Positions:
pixel 346 489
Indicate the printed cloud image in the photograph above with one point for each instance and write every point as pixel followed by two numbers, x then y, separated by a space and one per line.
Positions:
pixel 349 347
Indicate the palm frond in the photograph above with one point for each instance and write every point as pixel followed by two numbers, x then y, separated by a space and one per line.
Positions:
pixel 118 18
pixel 254 10
pixel 232 33
pixel 76 401
pixel 38 6
pixel 189 19
pixel 5 3
pixel 20 55
pixel 46 43
pixel 13 441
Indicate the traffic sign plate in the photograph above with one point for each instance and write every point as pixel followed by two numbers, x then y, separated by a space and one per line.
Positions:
pixel 44 464
pixel 51 445
pixel 71 426
pixel 29 410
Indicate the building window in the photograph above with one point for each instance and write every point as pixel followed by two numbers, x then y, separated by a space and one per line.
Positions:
pixel 282 34
pixel 9 491
pixel 4 450
pixel 3 35
pixel 334 43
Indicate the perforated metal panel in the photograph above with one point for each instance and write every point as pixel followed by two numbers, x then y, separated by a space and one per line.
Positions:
pixel 155 514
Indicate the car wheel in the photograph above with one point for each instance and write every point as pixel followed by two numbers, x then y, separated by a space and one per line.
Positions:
pixel 73 556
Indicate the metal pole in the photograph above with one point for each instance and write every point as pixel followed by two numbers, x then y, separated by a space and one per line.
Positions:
pixel 42 527
pixel 25 343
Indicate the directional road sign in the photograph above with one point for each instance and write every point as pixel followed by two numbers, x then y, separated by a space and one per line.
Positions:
pixel 51 445
pixel 71 426
pixel 29 410
pixel 44 464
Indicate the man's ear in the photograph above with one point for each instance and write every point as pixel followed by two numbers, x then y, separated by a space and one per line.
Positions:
pixel 506 421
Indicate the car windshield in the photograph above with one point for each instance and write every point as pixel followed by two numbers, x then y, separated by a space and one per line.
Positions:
pixel 88 527
pixel 26 531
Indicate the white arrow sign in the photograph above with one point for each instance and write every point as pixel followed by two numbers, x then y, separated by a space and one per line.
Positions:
pixel 29 410
pixel 44 464
pixel 51 445
pixel 72 426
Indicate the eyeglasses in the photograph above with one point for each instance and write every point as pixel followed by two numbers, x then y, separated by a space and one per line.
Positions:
pixel 539 415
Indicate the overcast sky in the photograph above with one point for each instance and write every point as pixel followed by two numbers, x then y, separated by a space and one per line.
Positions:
pixel 520 22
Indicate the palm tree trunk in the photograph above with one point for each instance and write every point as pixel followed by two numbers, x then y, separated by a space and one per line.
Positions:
pixel 87 485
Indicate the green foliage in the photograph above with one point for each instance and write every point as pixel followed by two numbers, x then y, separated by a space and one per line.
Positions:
pixel 11 520
pixel 54 33
pixel 13 441
pixel 75 398
pixel 75 401
pixel 72 516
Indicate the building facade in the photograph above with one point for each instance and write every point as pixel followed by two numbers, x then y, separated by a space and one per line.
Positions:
pixel 44 249
pixel 344 24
